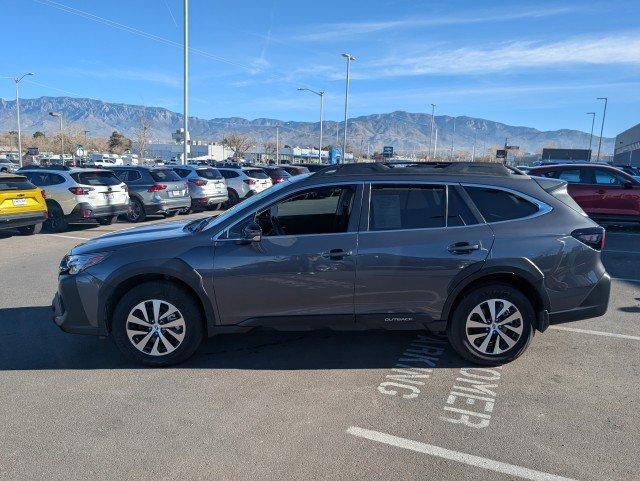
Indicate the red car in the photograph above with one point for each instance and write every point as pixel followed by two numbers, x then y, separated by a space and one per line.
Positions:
pixel 602 191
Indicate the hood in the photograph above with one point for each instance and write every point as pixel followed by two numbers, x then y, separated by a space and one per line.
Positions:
pixel 136 235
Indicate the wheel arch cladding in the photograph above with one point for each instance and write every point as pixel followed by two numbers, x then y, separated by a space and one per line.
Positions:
pixel 524 276
pixel 121 281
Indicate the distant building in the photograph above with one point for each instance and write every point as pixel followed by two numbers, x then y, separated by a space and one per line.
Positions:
pixel 566 154
pixel 627 147
pixel 291 155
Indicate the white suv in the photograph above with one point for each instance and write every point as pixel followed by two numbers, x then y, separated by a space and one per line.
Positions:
pixel 79 195
pixel 243 182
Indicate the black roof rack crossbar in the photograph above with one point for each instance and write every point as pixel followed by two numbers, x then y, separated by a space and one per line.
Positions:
pixel 380 168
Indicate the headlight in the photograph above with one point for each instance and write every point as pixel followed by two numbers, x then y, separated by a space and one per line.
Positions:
pixel 72 264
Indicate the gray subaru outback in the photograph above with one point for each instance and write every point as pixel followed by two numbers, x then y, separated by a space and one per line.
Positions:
pixel 485 254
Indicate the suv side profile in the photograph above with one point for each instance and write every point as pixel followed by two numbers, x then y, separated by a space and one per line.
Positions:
pixel 78 195
pixel 603 192
pixel 476 251
pixel 243 182
pixel 154 190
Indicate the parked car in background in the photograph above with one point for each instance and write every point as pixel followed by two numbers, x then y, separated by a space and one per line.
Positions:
pixel 447 248
pixel 276 174
pixel 628 169
pixel 79 195
pixel 8 166
pixel 22 204
pixel 207 187
pixel 311 167
pixel 294 169
pixel 154 190
pixel 243 182
pixel 602 191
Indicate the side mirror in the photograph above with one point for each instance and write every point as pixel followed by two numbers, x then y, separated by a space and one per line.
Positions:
pixel 628 184
pixel 252 232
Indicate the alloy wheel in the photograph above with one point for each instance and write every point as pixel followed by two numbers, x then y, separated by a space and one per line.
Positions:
pixel 155 327
pixel 494 326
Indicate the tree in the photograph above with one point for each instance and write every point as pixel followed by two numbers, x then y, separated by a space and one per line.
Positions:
pixel 38 135
pixel 270 149
pixel 143 135
pixel 240 144
pixel 118 143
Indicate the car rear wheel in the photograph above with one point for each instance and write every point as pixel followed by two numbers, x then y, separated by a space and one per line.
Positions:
pixel 157 324
pixel 30 229
pixel 137 212
pixel 172 213
pixel 233 198
pixel 56 221
pixel 107 220
pixel 492 325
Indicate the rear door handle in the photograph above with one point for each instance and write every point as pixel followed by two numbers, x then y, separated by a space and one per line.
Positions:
pixel 601 191
pixel 336 254
pixel 463 247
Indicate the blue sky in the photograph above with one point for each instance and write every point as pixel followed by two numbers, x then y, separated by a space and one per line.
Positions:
pixel 539 64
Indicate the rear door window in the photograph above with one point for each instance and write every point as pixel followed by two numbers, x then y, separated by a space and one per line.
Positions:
pixel 498 205
pixel 458 212
pixel 41 179
pixel 402 206
pixel 571 176
pixel 164 175
pixel 96 178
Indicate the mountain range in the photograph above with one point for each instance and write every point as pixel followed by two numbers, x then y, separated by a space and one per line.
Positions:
pixel 404 130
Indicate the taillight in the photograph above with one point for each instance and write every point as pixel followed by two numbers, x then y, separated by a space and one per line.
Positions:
pixel 44 195
pixel 249 181
pixel 156 188
pixel 277 180
pixel 199 182
pixel 591 236
pixel 80 190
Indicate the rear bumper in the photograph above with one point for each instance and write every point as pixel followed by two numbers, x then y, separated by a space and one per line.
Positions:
pixel 209 200
pixel 594 305
pixel 69 313
pixel 85 211
pixel 167 205
pixel 22 220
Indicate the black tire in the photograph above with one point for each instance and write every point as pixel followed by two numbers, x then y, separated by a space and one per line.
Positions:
pixel 30 229
pixel 234 198
pixel 215 206
pixel 172 213
pixel 185 211
pixel 166 292
pixel 137 212
pixel 56 222
pixel 457 326
pixel 107 220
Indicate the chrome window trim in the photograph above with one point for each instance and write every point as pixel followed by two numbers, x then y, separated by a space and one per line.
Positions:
pixel 543 208
pixel 291 192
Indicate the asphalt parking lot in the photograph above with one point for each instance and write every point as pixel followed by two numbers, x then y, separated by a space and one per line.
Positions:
pixel 314 405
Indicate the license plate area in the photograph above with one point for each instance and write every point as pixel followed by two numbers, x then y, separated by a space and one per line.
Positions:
pixel 19 202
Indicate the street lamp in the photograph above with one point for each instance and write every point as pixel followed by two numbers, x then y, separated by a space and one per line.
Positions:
pixel 349 58
pixel 320 93
pixel 604 113
pixel 59 115
pixel 593 121
pixel 17 81
pixel 433 112
pixel 185 147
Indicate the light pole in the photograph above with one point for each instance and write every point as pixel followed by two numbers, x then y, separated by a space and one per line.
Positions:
pixel 59 115
pixel 593 121
pixel 185 149
pixel 452 137
pixel 433 112
pixel 349 58
pixel 604 113
pixel 17 81
pixel 319 93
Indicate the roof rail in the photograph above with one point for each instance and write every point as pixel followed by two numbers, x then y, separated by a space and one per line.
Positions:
pixel 44 167
pixel 380 168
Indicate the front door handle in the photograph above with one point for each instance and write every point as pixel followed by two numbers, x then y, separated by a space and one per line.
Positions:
pixel 336 254
pixel 601 191
pixel 463 247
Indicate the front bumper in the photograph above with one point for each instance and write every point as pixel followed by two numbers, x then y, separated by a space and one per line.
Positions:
pixel 594 305
pixel 85 211
pixel 69 312
pixel 21 220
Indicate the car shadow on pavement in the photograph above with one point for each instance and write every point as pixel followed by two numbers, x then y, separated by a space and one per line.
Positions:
pixel 31 341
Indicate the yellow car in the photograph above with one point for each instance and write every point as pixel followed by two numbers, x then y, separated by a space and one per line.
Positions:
pixel 22 204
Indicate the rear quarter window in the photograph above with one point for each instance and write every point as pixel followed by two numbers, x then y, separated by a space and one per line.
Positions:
pixel 498 205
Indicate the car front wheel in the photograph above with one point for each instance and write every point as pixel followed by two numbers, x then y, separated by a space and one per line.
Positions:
pixel 157 324
pixel 493 324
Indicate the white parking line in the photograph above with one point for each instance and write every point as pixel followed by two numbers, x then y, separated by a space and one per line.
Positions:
pixel 69 237
pixel 469 459
pixel 596 333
